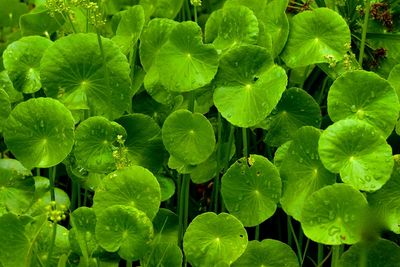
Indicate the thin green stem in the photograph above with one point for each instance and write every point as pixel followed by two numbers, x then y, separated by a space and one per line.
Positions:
pixel 52 178
pixel 128 264
pixel 299 254
pixel 183 208
pixel 335 256
pixel 195 13
pixel 187 10
pixel 289 231
pixel 244 136
pixel 37 171
pixel 52 241
pixel 230 142
pixel 79 195
pixel 305 252
pixel 217 178
pixel 322 92
pixel 320 253
pixel 257 233
pixel 191 101
pixel 85 197
pixel 364 31
pixel 71 23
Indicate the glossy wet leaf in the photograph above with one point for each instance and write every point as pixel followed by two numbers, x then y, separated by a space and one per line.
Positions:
pixel 386 201
pixel 129 28
pixel 394 79
pixel 212 238
pixel 334 215
pixel 248 85
pixel 167 187
pixel 14 244
pixel 365 96
pixel 125 230
pixel 381 252
pixel 188 136
pixel 233 25
pixel 295 109
pixel 96 140
pixel 358 152
pixel 302 171
pixel 184 63
pixel 8 87
pixel 155 35
pixel 163 255
pixel 281 153
pixel 42 127
pixel 314 37
pixel 74 71
pixel 268 252
pixel 132 186
pixel 5 107
pixel 22 59
pixel 251 189
pixel 17 187
pixel 166 226
pixel 143 144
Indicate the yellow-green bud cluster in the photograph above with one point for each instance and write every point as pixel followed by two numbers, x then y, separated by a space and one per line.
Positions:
pixel 195 2
pixel 95 15
pixel 56 213
pixel 57 6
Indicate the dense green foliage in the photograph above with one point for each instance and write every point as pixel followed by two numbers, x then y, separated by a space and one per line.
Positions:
pixel 199 133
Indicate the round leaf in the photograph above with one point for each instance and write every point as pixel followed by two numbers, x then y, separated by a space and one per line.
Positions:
pixel 184 63
pixel 248 88
pixel 133 186
pixel 167 187
pixel 143 144
pixel 8 87
pixel 295 109
pixel 365 96
pixel 74 71
pixel 166 226
pixel 302 172
pixel 358 152
pixel 316 36
pixel 212 238
pixel 334 215
pixel 188 136
pixel 39 132
pixel 269 252
pixel 22 59
pixel 394 79
pixel 251 188
pixel 5 107
pixel 163 255
pixel 125 230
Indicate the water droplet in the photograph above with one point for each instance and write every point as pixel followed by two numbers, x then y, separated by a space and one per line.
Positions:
pixel 42 123
pixel 353 108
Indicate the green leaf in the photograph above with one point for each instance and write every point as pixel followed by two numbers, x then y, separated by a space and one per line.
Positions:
pixel 125 230
pixel 133 186
pixel 334 215
pixel 364 96
pixel 184 63
pixel 248 85
pixel 386 201
pixel 143 144
pixel 212 239
pixel 316 36
pixel 188 136
pixel 251 188
pixel 74 71
pixel 394 79
pixel 163 255
pixel 269 252
pixel 382 253
pixel 167 187
pixel 17 187
pixel 39 132
pixel 281 153
pixel 10 12
pixel 295 109
pixel 232 26
pixel 22 59
pixel 129 28
pixel 96 139
pixel 302 172
pixel 166 226
pixel 167 8
pixel 155 34
pixel 39 22
pixel 358 152
pixel 8 87
pixel 5 107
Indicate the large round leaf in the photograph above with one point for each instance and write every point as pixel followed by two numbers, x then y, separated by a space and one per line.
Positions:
pixel 251 188
pixel 334 215
pixel 125 230
pixel 75 71
pixel 166 226
pixel 269 252
pixel 7 85
pixel 232 26
pixel 386 201
pixel 295 109
pixel 40 132
pixel 188 136
pixel 316 36
pixel 212 238
pixel 17 187
pixel 184 63
pixel 22 59
pixel 133 186
pixel 394 79
pixel 154 36
pixel 143 144
pixel 10 12
pixel 302 172
pixel 163 255
pixel 248 87
pixel 365 96
pixel 382 253
pixel 96 139
pixel 358 152
pixel 5 107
